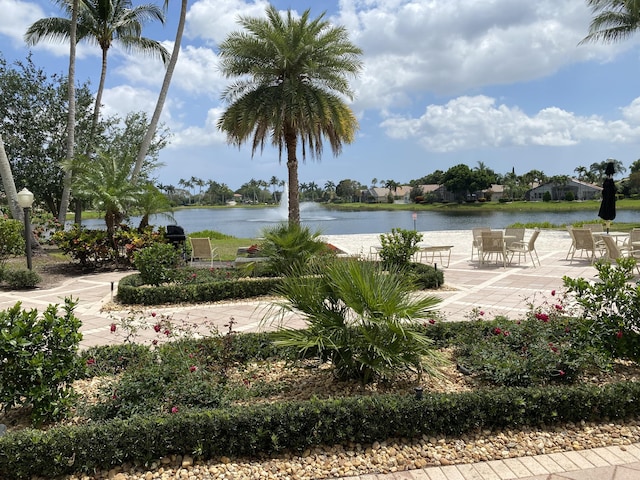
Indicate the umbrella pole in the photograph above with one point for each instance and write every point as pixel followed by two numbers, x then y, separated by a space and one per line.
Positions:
pixel 608 223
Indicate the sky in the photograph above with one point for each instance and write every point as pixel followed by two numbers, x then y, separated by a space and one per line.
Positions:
pixel 444 82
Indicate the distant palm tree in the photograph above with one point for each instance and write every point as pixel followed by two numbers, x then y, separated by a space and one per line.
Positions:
pixel 102 22
pixel 290 83
pixel 614 20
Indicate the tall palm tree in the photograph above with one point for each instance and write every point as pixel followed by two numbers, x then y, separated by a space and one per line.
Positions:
pixel 71 113
pixel 613 21
pixel 102 22
pixel 164 90
pixel 291 78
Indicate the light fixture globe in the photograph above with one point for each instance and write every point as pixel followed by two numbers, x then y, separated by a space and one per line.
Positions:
pixel 25 198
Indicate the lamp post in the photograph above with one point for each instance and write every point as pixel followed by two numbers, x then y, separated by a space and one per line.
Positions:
pixel 25 200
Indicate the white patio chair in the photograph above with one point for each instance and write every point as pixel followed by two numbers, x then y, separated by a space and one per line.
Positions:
pixel 523 248
pixel 492 243
pixel 585 243
pixel 477 240
pixel 615 251
pixel 201 249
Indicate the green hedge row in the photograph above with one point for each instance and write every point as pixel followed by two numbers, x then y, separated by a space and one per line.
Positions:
pixel 131 291
pixel 249 430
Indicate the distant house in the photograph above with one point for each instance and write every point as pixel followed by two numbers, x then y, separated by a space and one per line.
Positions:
pixel 580 190
pixel 381 194
pixel 494 193
pixel 438 193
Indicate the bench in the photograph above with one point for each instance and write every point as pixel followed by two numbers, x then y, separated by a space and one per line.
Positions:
pixel 428 253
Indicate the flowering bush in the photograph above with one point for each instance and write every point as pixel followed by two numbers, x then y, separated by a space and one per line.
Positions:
pixel 545 346
pixel 93 248
pixel 611 308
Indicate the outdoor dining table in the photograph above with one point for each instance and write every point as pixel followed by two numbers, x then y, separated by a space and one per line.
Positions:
pixel 619 236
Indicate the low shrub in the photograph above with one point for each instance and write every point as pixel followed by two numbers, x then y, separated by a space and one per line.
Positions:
pixel 425 276
pixel 11 239
pixel 39 360
pixel 133 291
pixel 157 263
pixel 399 246
pixel 20 279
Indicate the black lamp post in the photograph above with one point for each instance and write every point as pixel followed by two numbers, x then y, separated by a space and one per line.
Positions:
pixel 25 200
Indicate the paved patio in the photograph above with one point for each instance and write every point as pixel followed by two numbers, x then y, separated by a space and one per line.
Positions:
pixel 469 288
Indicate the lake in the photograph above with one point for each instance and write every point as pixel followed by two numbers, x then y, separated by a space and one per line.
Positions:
pixel 248 222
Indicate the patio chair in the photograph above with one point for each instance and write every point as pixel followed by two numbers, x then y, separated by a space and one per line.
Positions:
pixel 572 247
pixel 477 240
pixel 201 249
pixel 492 243
pixel 615 251
pixel 594 227
pixel 585 243
pixel 634 238
pixel 518 233
pixel 523 248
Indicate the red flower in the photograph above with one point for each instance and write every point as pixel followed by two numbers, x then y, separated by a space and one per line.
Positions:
pixel 561 373
pixel 153 314
pixel 167 332
pixel 193 368
pixel 497 331
pixel 155 342
pixel 432 321
pixel 553 293
pixel 157 327
pixel 174 409
pixel 113 327
pixel 619 334
pixel 558 307
pixel 481 313
pixel 506 334
pixel 542 316
pixel 91 361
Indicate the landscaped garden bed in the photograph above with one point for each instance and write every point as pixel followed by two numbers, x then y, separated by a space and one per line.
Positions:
pixel 377 382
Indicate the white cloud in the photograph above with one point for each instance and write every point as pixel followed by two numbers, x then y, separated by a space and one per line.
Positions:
pixel 466 123
pixel 213 20
pixel 206 135
pixel 448 47
pixel 124 99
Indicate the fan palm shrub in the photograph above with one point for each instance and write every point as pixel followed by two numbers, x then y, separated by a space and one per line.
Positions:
pixel 363 318
pixel 289 248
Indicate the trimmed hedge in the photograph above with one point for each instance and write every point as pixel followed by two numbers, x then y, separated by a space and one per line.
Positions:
pixel 131 291
pixel 268 428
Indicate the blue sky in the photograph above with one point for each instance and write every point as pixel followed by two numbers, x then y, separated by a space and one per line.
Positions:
pixel 502 82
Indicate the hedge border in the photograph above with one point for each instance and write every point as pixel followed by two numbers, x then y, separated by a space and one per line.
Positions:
pixel 242 431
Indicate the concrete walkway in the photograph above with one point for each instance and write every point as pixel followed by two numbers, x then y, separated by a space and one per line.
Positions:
pixel 469 290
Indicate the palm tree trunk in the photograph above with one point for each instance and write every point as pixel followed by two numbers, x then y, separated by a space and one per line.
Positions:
pixel 10 191
pixel 292 168
pixel 153 125
pixel 71 115
pixel 9 184
pixel 98 104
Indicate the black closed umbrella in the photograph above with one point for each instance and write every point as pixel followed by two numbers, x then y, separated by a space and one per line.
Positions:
pixel 608 204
